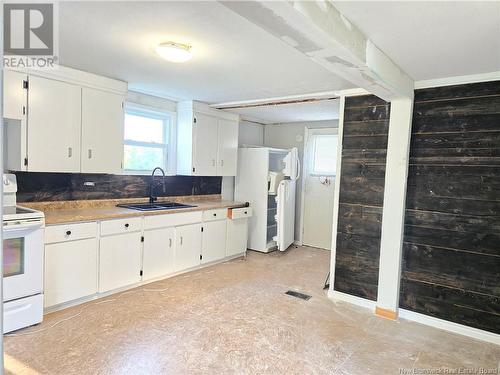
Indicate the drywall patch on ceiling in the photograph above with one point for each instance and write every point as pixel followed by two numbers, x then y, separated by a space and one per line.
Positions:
pixel 338 60
pixel 273 23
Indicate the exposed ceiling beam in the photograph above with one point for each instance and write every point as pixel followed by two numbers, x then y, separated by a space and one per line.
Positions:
pixel 283 100
pixel 318 30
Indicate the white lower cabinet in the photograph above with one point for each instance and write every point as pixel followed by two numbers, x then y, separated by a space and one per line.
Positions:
pixel 70 262
pixel 158 253
pixel 70 271
pixel 213 245
pixel 237 231
pixel 187 247
pixel 80 262
pixel 119 260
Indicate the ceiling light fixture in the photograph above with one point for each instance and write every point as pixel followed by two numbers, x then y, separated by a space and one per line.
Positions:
pixel 174 52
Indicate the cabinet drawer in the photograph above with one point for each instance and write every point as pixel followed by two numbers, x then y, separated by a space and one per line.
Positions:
pixel 239 213
pixel 172 220
pixel 119 226
pixel 218 214
pixel 70 232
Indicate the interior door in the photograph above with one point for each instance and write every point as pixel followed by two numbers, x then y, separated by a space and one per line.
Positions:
pixel 286 214
pixel 205 145
pixel 102 131
pixel 319 181
pixel 53 126
pixel 187 247
pixel 158 253
pixel 228 148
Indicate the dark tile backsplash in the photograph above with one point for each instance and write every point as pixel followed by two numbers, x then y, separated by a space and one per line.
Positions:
pixel 39 186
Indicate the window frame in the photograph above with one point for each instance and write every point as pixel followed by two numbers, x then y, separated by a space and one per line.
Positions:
pixel 169 134
pixel 314 133
pixel 313 156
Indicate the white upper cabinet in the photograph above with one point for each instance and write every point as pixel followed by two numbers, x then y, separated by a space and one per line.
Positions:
pixel 53 126
pixel 102 131
pixel 204 145
pixel 207 140
pixel 71 121
pixel 14 94
pixel 227 154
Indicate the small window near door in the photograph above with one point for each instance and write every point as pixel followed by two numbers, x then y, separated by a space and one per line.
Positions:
pixel 324 155
pixel 146 141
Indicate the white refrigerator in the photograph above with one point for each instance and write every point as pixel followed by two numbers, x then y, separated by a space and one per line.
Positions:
pixel 266 179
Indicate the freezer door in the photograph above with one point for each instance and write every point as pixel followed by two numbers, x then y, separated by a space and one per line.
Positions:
pixel 285 214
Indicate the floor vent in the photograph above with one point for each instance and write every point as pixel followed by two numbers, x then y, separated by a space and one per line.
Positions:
pixel 303 296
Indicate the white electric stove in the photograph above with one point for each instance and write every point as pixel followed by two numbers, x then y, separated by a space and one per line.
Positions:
pixel 23 249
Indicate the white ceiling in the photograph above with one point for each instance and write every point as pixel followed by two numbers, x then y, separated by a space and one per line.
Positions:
pixel 308 111
pixel 432 39
pixel 233 58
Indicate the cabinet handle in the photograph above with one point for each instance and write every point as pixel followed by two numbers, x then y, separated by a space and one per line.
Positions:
pixel 127 225
pixel 70 152
pixel 213 162
pixel 246 212
pixel 181 240
pixel 68 232
pixel 222 162
pixel 90 153
pixel 215 214
pixel 169 242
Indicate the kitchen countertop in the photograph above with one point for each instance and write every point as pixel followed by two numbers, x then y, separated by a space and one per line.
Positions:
pixel 93 210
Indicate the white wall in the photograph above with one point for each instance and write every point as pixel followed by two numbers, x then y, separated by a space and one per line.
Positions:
pixel 151 101
pixel 288 135
pixel 251 133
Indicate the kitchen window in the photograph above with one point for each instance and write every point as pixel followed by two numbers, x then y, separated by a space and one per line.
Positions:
pixel 148 141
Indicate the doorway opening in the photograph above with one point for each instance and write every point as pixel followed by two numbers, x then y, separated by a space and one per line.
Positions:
pixel 320 163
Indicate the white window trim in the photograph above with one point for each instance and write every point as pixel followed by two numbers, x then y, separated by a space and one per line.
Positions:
pixel 171 147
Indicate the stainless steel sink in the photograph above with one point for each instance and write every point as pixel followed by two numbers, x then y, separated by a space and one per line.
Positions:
pixel 154 206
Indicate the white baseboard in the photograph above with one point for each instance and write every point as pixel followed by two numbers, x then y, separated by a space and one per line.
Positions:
pixel 358 301
pixel 445 325
pixel 297 242
pixel 474 333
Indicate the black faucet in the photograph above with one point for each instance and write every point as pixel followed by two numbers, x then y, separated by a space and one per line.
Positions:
pixel 152 197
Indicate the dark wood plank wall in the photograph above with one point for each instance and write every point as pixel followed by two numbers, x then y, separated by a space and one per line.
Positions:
pixel 451 250
pixel 366 123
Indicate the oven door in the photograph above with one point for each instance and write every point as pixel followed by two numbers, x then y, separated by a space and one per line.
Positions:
pixel 22 259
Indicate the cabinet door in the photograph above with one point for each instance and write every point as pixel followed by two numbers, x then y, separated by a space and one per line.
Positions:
pixel 158 253
pixel 70 271
pixel 205 145
pixel 102 131
pixel 14 95
pixel 119 261
pixel 228 148
pixel 237 233
pixel 187 247
pixel 53 126
pixel 213 246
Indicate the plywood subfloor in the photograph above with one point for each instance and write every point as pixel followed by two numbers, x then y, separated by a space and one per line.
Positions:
pixel 234 318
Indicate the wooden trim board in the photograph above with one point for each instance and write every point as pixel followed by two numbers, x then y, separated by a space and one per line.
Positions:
pixel 385 313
